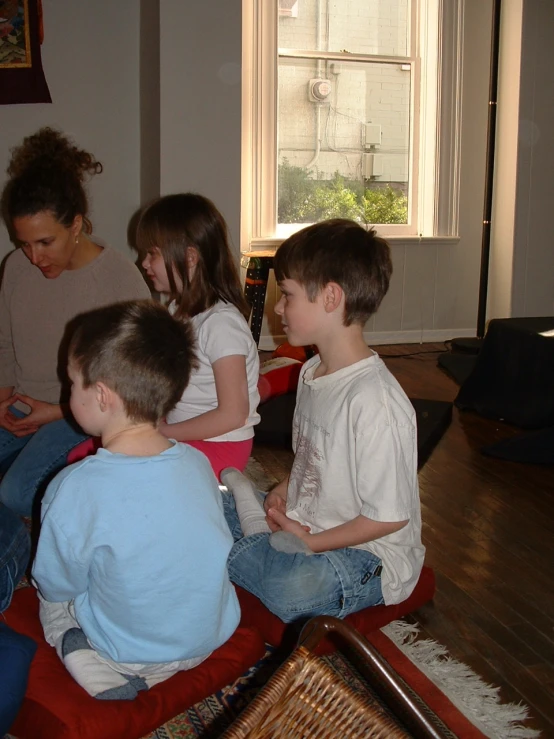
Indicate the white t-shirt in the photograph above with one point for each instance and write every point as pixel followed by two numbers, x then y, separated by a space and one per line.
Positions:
pixel 221 331
pixel 354 437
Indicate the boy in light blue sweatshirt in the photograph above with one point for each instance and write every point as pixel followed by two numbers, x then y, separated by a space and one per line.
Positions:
pixel 131 561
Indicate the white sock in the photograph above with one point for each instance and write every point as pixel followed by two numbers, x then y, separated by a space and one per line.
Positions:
pixel 250 511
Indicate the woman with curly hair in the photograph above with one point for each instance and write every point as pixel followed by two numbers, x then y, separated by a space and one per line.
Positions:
pixel 58 271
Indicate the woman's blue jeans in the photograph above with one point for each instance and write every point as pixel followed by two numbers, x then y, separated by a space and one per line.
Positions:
pixel 16 650
pixel 296 587
pixel 30 462
pixel 15 550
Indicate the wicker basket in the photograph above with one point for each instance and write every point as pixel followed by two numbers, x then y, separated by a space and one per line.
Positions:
pixel 305 698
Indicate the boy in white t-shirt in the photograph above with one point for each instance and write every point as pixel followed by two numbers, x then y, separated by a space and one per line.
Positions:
pixel 343 530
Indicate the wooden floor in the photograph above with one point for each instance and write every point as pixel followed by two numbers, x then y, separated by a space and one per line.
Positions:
pixel 488 526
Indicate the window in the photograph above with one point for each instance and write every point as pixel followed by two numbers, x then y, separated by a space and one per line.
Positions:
pixel 343 104
pixel 288 7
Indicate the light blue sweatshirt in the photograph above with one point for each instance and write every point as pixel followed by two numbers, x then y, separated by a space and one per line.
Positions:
pixel 141 545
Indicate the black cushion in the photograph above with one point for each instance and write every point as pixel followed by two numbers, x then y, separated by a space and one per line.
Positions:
pixel 513 378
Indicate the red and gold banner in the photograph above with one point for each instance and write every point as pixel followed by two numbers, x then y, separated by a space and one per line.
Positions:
pixel 21 75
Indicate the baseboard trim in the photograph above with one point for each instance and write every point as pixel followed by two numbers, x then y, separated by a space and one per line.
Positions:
pixel 269 343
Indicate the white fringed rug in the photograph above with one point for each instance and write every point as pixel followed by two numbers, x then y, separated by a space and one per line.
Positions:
pixel 472 696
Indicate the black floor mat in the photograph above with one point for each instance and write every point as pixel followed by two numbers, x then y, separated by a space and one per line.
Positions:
pixel 531 448
pixel 433 418
pixel 275 427
pixel 459 366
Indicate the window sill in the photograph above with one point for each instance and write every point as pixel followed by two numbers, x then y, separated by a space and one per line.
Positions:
pixel 269 246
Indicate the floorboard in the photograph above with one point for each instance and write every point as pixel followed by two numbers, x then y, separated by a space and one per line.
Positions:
pixel 488 526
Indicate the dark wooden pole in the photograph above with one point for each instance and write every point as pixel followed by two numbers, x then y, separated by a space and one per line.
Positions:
pixel 489 173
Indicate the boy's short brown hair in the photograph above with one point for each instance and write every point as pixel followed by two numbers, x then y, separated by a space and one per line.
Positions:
pixel 341 251
pixel 139 351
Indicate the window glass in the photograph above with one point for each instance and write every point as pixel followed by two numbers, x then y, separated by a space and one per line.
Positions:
pixel 343 140
pixel 344 126
pixel 358 26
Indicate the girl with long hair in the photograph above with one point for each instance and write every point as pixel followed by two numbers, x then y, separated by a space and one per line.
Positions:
pixel 187 257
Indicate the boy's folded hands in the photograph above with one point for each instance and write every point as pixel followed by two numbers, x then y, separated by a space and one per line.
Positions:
pixel 284 523
pixel 276 502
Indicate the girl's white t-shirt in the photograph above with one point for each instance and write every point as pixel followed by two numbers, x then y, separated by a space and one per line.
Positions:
pixel 221 331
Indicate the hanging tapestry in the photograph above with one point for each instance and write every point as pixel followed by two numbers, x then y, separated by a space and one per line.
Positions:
pixel 21 76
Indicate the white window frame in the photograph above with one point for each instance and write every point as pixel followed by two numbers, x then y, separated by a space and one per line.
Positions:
pixel 435 133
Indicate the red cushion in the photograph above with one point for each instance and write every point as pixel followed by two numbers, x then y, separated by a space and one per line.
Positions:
pixel 83 449
pixel 277 377
pixel 274 631
pixel 56 707
pixel 301 353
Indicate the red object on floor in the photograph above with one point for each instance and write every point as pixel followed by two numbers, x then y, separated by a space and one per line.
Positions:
pixel 256 616
pixel 301 353
pixel 56 707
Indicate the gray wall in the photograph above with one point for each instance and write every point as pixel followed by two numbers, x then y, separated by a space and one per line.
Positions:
pixel 90 57
pixel 200 59
pixel 149 72
pixel 521 278
pixel 533 285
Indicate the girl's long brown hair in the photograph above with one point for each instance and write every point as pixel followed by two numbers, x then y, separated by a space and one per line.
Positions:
pixel 172 224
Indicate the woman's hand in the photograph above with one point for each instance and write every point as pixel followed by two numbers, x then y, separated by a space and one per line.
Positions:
pixel 41 414
pixel 7 418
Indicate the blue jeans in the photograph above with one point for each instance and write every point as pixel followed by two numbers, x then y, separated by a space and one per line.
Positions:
pixel 15 550
pixel 31 461
pixel 296 587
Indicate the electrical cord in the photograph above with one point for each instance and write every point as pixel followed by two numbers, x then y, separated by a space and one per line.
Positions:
pixel 414 354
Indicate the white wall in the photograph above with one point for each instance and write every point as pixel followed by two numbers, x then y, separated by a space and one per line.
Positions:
pixel 90 60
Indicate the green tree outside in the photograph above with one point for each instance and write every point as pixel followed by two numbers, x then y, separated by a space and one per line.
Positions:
pixel 305 200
